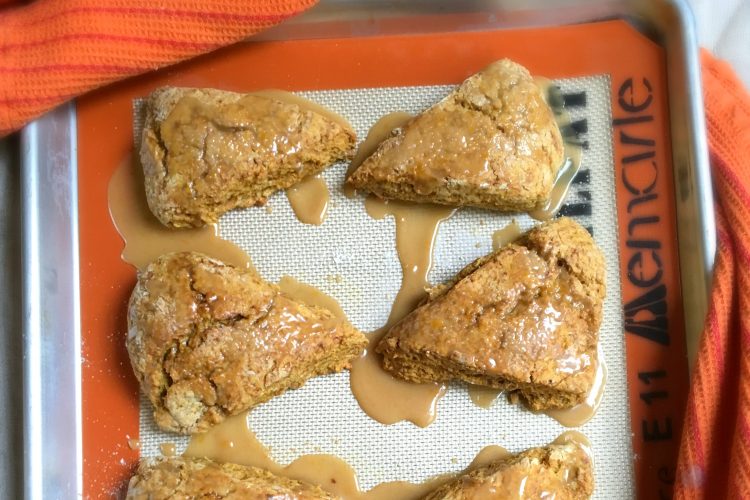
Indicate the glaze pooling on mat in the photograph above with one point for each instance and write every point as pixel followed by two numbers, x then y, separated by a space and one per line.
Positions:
pixel 353 258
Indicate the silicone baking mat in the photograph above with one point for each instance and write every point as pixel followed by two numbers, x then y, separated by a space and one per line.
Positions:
pixel 632 436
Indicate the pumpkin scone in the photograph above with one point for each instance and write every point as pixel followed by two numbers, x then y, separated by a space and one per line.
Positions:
pixel 208 340
pixel 524 319
pixel 207 151
pixel 493 143
pixel 560 471
pixel 199 478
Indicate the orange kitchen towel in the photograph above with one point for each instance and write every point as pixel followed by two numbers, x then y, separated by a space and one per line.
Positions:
pixel 714 460
pixel 54 50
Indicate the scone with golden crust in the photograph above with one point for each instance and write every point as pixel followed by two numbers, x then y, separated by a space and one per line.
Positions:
pixel 524 318
pixel 207 151
pixel 493 143
pixel 199 478
pixel 564 471
pixel 208 340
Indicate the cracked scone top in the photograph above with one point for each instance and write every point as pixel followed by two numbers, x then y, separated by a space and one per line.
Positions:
pixel 560 471
pixel 190 478
pixel 207 151
pixel 208 340
pixel 524 318
pixel 493 143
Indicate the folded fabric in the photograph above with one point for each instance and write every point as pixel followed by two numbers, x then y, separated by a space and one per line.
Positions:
pixel 54 50
pixel 714 459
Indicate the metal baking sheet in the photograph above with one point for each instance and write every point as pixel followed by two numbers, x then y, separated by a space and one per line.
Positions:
pixel 56 447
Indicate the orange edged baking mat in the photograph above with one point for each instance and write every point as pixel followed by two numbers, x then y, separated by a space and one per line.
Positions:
pixel 644 232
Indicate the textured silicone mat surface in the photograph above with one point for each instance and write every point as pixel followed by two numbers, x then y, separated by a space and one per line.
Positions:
pixel 353 258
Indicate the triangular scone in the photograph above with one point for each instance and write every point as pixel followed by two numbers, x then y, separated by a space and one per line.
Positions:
pixel 208 340
pixel 524 318
pixel 207 151
pixel 493 143
pixel 564 471
pixel 193 478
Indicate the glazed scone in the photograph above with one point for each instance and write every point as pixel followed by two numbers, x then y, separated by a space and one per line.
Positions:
pixel 207 340
pixel 493 143
pixel 207 151
pixel 562 471
pixel 199 478
pixel 524 319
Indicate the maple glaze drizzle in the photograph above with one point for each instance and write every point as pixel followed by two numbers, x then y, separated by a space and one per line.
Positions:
pixel 309 199
pixel 576 416
pixel 382 396
pixel 585 411
pixel 380 131
pixel 505 235
pixel 167 449
pixel 572 153
pixel 310 295
pixel 305 104
pixel 146 238
pixel 232 441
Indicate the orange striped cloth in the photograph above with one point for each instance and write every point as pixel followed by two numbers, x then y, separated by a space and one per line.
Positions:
pixel 714 460
pixel 53 50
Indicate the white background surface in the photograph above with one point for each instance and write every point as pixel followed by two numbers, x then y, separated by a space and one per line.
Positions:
pixel 724 27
